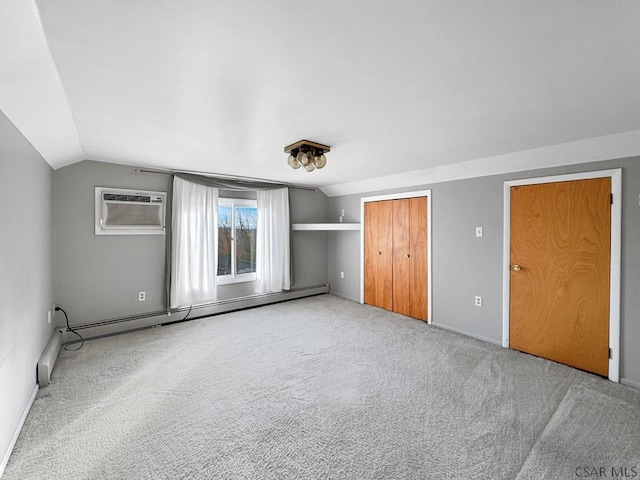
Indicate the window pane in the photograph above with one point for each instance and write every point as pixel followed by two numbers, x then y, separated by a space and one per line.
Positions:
pixel 224 239
pixel 246 226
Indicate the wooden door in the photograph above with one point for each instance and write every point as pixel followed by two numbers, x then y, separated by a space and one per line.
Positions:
pixel 560 269
pixel 378 261
pixel 418 256
pixel 401 256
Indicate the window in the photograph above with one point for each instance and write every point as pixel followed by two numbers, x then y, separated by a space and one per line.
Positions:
pixel 237 226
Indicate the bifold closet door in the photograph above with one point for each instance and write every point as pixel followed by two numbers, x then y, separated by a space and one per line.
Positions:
pixel 418 257
pixel 395 270
pixel 378 261
pixel 401 256
pixel 410 257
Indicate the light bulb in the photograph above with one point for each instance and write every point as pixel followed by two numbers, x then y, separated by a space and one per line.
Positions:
pixel 293 163
pixel 310 167
pixel 320 161
pixel 303 158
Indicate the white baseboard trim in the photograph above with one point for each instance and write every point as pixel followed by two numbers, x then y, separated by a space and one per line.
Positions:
pixel 346 297
pixel 467 334
pixel 14 439
pixel 128 324
pixel 630 383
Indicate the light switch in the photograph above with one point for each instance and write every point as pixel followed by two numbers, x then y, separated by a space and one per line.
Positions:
pixel 478 231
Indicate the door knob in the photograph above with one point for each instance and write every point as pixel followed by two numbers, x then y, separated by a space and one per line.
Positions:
pixel 379 252
pixel 406 255
pixel 516 268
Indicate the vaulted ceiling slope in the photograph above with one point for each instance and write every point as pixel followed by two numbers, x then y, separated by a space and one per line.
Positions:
pixel 394 87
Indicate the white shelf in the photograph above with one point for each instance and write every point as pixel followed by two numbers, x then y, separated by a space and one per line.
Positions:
pixel 326 226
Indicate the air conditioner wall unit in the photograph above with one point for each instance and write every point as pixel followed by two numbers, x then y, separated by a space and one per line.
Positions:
pixel 129 212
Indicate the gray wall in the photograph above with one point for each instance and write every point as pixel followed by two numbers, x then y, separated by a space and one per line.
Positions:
pixel 465 266
pixel 310 255
pixel 99 277
pixel 25 273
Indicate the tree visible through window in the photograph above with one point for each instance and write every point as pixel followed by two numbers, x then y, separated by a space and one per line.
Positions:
pixel 237 226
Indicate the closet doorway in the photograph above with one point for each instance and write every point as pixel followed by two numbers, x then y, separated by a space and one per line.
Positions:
pixel 396 253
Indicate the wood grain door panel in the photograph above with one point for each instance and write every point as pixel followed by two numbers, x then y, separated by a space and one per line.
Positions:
pixel 378 268
pixel 418 251
pixel 401 257
pixel 559 302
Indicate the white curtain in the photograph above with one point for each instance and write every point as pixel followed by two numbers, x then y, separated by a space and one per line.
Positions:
pixel 194 256
pixel 273 252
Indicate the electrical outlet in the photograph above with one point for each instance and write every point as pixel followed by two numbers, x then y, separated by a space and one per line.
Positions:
pixel 478 301
pixel 142 296
pixel 341 274
pixel 478 232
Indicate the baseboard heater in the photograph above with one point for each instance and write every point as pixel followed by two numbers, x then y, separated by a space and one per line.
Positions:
pixel 156 318
pixel 49 357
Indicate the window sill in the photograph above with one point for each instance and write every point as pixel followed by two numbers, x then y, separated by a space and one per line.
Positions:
pixel 229 280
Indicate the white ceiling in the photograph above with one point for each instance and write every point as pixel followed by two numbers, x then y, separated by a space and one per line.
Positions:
pixel 394 87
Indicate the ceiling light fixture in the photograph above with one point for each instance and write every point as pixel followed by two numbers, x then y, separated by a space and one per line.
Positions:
pixel 309 155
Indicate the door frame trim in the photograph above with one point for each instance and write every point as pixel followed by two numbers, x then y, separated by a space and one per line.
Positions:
pixel 616 241
pixel 398 196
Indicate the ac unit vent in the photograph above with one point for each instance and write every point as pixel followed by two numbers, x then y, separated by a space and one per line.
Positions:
pixel 129 212
pixel 132 198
